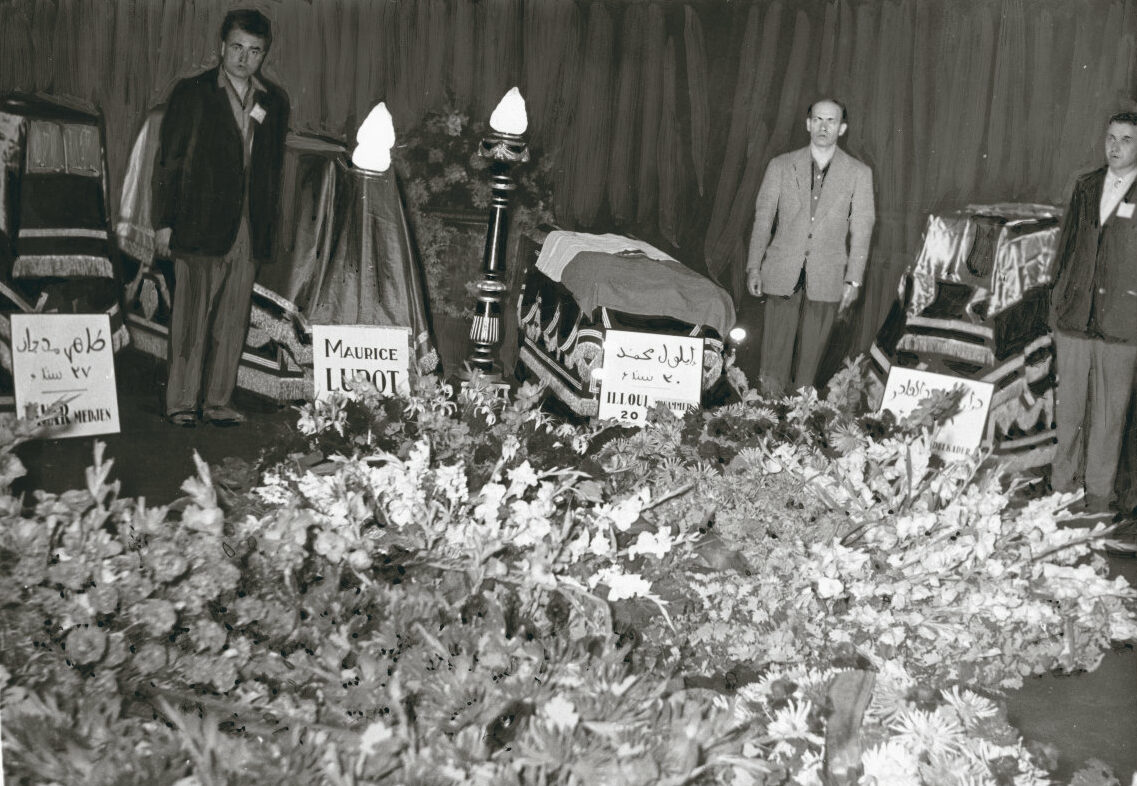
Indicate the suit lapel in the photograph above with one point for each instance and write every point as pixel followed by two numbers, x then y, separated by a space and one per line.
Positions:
pixel 222 105
pixel 838 172
pixel 803 174
pixel 1097 186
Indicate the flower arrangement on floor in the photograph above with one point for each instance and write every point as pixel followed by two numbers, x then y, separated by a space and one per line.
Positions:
pixel 442 174
pixel 455 589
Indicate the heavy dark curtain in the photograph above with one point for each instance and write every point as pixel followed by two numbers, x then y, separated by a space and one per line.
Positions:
pixel 660 116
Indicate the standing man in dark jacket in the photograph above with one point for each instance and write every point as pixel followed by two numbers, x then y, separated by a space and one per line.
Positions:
pixel 216 192
pixel 1094 317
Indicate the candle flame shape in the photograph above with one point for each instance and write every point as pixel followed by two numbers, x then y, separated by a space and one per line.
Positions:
pixel 509 117
pixel 374 140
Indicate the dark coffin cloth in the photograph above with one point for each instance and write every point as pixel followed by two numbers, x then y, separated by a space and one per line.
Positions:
pixel 637 284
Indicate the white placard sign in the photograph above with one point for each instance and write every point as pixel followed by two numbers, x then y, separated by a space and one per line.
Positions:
pixel 341 354
pixel 642 369
pixel 67 359
pixel 961 434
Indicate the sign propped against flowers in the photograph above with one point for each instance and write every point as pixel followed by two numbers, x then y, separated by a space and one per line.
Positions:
pixel 344 355
pixel 645 369
pixel 961 434
pixel 63 369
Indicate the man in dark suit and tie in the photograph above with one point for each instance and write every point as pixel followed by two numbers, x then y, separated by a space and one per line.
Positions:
pixel 216 195
pixel 813 220
pixel 1093 313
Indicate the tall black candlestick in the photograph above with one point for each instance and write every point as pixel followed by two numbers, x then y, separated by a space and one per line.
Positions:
pixel 503 151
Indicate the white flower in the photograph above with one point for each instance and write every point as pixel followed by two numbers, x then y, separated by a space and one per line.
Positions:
pixel 521 477
pixel 451 481
pixel 969 707
pixel 531 520
pixel 625 512
pixel 578 546
pixel 829 588
pixel 509 447
pixel 791 722
pixel 621 585
pixel 419 459
pixel 560 713
pixel 889 764
pixel 492 496
pixel 538 572
pixel 939 734
pixel 654 543
pixel 373 736
pixel 601 544
pixel 809 772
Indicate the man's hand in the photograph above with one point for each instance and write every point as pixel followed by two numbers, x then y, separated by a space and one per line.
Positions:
pixel 162 242
pixel 848 297
pixel 754 281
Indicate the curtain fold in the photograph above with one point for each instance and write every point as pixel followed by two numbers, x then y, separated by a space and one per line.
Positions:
pixel 695 49
pixel 589 127
pixel 17 60
pixel 671 169
pixel 647 182
pixel 627 112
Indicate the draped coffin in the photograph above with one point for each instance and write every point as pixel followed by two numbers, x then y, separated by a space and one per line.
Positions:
pixel 975 305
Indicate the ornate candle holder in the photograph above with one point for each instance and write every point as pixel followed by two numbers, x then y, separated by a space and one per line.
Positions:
pixel 504 151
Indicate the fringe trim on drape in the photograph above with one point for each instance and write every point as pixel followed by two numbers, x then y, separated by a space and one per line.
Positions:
pixel 947 346
pixel 62 266
pixel 958 325
pixel 1020 413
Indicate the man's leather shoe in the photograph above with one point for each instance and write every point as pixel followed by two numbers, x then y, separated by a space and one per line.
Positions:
pixel 223 416
pixel 185 418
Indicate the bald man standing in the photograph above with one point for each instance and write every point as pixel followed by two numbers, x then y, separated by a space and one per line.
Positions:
pixel 813 220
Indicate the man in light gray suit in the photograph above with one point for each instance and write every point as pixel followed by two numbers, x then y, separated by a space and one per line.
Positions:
pixel 812 223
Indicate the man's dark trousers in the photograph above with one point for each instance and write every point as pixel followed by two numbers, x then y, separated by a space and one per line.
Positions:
pixel 212 300
pixel 795 333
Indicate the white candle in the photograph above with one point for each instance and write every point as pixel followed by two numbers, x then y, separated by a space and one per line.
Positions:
pixel 374 140
pixel 509 117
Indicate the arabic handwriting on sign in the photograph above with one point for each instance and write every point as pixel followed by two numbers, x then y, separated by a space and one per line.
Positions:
pixel 684 356
pixel 646 355
pixel 33 345
pixel 78 346
pixel 642 377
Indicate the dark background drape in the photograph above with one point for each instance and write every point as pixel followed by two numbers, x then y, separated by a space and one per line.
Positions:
pixel 660 116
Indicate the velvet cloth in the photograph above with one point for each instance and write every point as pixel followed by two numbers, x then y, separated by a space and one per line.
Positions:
pixel 635 284
pixel 351 261
pixel 200 182
pixel 1002 251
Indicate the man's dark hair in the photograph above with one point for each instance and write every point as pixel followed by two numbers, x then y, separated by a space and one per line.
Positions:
pixel 844 111
pixel 251 21
pixel 1124 117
